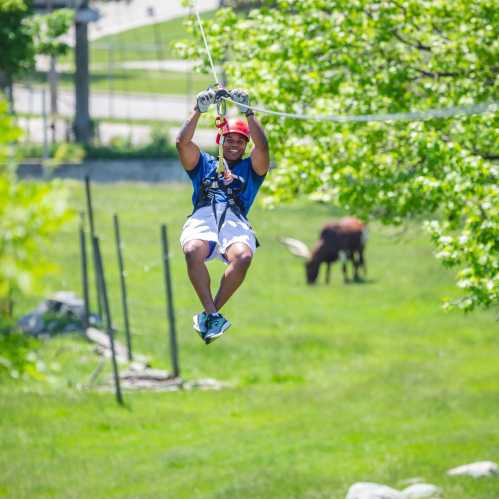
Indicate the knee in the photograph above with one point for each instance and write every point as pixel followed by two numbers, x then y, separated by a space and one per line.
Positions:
pixel 242 259
pixel 194 252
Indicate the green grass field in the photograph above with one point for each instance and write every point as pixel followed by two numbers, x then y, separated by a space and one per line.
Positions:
pixel 148 43
pixel 154 41
pixel 331 384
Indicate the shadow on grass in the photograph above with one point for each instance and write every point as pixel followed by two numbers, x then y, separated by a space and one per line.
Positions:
pixel 350 282
pixel 362 281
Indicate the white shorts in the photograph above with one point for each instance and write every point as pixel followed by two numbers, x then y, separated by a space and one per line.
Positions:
pixel 203 225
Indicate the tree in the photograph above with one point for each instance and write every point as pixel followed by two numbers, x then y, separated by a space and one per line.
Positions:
pixel 30 214
pixel 325 57
pixel 23 35
pixel 16 43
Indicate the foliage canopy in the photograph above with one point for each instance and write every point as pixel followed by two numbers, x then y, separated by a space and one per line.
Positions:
pixel 30 213
pixel 23 35
pixel 363 57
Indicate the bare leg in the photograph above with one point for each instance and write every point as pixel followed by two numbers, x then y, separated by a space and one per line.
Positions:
pixel 196 251
pixel 239 256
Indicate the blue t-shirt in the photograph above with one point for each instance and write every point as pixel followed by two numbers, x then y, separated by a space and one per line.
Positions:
pixel 246 181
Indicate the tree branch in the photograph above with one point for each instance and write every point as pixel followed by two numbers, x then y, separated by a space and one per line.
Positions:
pixel 435 74
pixel 417 44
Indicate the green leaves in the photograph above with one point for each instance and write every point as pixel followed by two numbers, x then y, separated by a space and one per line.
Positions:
pixel 30 213
pixel 361 57
pixel 48 29
pixel 23 35
pixel 16 44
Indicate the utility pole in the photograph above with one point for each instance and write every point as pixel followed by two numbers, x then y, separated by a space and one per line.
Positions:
pixel 82 123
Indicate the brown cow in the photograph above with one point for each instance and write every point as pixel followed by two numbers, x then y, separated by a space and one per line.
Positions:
pixel 343 239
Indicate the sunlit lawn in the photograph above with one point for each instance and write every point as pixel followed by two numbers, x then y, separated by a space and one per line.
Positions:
pixel 330 384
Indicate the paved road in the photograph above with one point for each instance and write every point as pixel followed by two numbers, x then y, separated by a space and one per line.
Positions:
pixel 43 64
pixel 138 134
pixel 104 105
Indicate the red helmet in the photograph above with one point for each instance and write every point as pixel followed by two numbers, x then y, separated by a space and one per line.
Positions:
pixel 235 126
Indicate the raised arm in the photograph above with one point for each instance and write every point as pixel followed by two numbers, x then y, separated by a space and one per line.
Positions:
pixel 188 151
pixel 260 159
pixel 260 154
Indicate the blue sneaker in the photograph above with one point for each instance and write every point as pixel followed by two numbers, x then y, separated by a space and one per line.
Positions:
pixel 216 325
pixel 199 323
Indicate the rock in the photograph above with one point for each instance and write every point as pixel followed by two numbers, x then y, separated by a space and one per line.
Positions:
pixel 476 470
pixel 367 490
pixel 157 380
pixel 101 339
pixel 61 313
pixel 422 491
pixel 103 347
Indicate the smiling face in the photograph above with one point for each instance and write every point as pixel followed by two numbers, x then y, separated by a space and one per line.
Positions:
pixel 234 146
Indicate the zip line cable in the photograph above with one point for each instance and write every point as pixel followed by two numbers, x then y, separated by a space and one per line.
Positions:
pixel 200 23
pixel 484 107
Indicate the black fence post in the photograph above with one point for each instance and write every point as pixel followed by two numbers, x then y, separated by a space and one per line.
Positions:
pixel 109 327
pixel 169 298
pixel 90 212
pixel 124 300
pixel 84 275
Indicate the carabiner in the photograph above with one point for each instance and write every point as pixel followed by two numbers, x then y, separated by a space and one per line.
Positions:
pixel 221 108
pixel 220 96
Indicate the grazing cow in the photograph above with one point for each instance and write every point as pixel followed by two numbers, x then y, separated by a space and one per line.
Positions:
pixel 344 240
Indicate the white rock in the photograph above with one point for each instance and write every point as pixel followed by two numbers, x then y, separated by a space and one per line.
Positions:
pixel 478 469
pixel 422 491
pixel 367 490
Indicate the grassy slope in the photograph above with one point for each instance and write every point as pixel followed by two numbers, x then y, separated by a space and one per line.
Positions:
pixel 144 43
pixel 153 42
pixel 332 384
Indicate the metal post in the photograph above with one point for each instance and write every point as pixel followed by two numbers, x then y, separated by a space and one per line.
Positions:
pixel 109 327
pixel 84 275
pixel 52 79
pixel 90 212
pixel 124 300
pixel 169 297
pixel 110 76
pixel 45 125
pixel 30 111
pixel 82 124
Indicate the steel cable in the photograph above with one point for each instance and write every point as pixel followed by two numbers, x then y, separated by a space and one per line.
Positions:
pixel 480 108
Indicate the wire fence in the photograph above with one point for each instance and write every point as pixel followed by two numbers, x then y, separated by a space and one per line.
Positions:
pixel 136 84
pixel 139 312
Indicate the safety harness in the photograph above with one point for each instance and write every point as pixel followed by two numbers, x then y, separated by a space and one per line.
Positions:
pixel 207 197
pixel 222 178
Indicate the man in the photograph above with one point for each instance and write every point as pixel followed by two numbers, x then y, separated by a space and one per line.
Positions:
pixel 218 226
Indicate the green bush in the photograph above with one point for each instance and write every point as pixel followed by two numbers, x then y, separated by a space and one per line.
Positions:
pixel 30 214
pixel 68 152
pixel 18 357
pixel 122 147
